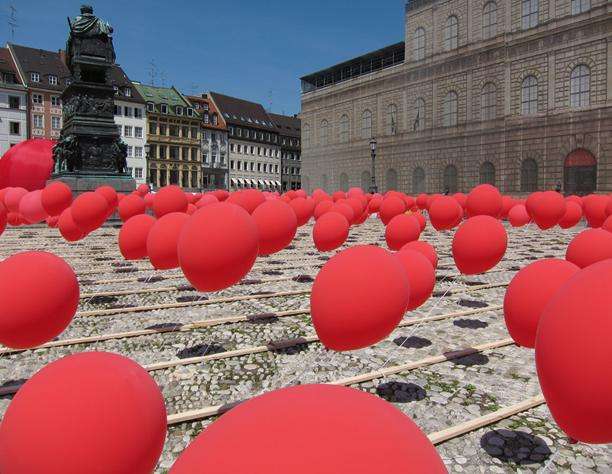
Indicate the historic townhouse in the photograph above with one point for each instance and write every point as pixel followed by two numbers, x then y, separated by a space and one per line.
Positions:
pixel 517 93
pixel 290 139
pixel 13 104
pixel 173 138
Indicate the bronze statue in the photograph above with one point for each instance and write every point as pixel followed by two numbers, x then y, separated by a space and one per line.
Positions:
pixel 87 24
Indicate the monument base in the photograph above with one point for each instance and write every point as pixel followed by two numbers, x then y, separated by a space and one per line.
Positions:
pixel 83 182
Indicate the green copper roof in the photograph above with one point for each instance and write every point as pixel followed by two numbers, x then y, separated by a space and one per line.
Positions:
pixel 165 95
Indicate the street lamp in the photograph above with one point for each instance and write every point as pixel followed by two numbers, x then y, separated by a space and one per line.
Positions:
pixel 373 188
pixel 147 150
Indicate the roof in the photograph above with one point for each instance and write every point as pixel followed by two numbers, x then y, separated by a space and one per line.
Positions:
pixel 120 80
pixel 45 63
pixel 199 103
pixel 287 125
pixel 8 71
pixel 163 95
pixel 242 112
pixel 364 64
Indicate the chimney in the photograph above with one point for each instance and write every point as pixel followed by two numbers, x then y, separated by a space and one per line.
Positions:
pixel 62 55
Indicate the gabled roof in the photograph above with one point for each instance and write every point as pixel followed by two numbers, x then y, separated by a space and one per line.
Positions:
pixel 199 103
pixel 164 95
pixel 45 63
pixel 287 125
pixel 242 112
pixel 8 70
pixel 120 80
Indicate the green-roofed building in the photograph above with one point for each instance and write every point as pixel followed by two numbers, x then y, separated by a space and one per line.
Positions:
pixel 173 138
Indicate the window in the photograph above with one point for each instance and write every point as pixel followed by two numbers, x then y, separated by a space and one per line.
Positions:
pixel 580 6
pixel 173 131
pixel 487 173
pixel 344 129
pixel 580 86
pixel 206 117
pixel 419 44
pixel 128 111
pixel 174 153
pixel 179 110
pixel 391 119
pixel 366 125
pixel 53 80
pixel 488 103
pixel 529 13
pixel 529 95
pixel 163 129
pixel 14 102
pixel 418 180
pixel 138 132
pixel 451 33
pixel 150 107
pixel 489 20
pixel 529 176
pixel 189 112
pixel 128 170
pixel 37 121
pixel 215 119
pixel 152 128
pixel 118 110
pixel 324 132
pixel 56 122
pixel 37 99
pixel 164 108
pixel 449 110
pixel 15 128
pixel 138 152
pixel 56 101
pixel 137 172
pixel 35 77
pixel 130 151
pixel 127 92
pixel 306 135
pixel 137 112
pixel 128 131
pixel 419 114
pixel 450 179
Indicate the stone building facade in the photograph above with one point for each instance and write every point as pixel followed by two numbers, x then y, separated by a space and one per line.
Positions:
pixel 13 104
pixel 289 131
pixel 517 93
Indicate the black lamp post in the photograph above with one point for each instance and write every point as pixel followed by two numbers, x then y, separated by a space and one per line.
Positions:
pixel 373 187
pixel 147 149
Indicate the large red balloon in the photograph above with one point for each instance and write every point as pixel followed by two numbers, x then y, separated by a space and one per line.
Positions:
pixel 162 240
pixel 518 216
pixel 484 200
pixel 479 244
pixel 595 209
pixel 89 211
pixel 380 436
pixel 358 298
pixel 303 209
pixel 67 227
pixel 56 197
pixel 345 210
pixel 573 353
pixel 330 231
pixel 445 213
pixel 391 207
pixel 276 225
pixel 248 199
pixel 133 237
pixel 27 164
pixel 424 248
pixel 110 195
pixel 93 412
pixel 169 199
pixel 402 229
pixel 589 247
pixel 548 209
pixel 421 276
pixel 31 208
pixel 40 294
pixel 573 214
pixel 218 246
pixel 528 294
pixel 322 207
pixel 12 198
pixel 3 218
pixel 131 206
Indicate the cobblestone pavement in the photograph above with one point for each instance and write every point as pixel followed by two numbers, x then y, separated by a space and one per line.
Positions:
pixel 436 397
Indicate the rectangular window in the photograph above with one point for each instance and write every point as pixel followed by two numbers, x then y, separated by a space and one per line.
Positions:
pixel 164 108
pixel 14 102
pixel 173 130
pixel 152 128
pixel 137 112
pixel 118 110
pixel 163 129
pixel 130 151
pixel 174 153
pixel 138 152
pixel 127 131
pixel 56 122
pixel 162 152
pixel 138 172
pixel 529 13
pixel 150 107
pixel 53 80
pixel 37 99
pixel 194 132
pixel 15 128
pixel 128 111
pixel 37 121
pixel 138 132
pixel 35 77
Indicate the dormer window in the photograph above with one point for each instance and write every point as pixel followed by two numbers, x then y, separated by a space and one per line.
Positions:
pixel 214 119
pixel 150 107
pixel 128 92
pixel 179 110
pixel 35 77
pixel 189 112
pixel 164 108
pixel 205 107
pixel 206 117
pixel 116 89
pixel 197 106
pixel 53 80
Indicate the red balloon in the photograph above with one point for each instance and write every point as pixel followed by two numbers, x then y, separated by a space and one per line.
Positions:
pixel 402 229
pixel 143 190
pixel 518 216
pixel 484 200
pixel 461 199
pixel 445 213
pixel 276 225
pixel 67 227
pixel 421 201
pixel 345 210
pixel 595 209
pixel 162 240
pixel 573 214
pixel 420 218
pixel 576 199
pixel 148 200
pixel 56 197
pixel 391 207
pixel 89 211
pixel 93 412
pixel 52 221
pixel 206 200
pixel 27 164
pixel 589 246
pixel 12 198
pixel 3 217
pixel 39 294
pixel 191 209
pixel 528 294
pixel 325 414
pixel 248 199
pixel 607 225
pixel 110 195
pixel 531 201
pixel 507 204
pixel 31 208
pixel 221 194
pixel 330 231
pixel 374 204
pixel 548 209
pixel 169 199
pixel 358 298
pixel 356 205
pixel 131 206
pixel 427 250
pixel 133 237
pixel 15 219
pixel 338 195
pixel 479 244
pixel 421 276
pixel 303 209
pixel 573 353
pixel 322 208
pixel 218 246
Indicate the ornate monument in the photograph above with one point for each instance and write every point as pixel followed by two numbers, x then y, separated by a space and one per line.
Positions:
pixel 90 151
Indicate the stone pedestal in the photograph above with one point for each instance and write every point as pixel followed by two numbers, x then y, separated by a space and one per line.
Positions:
pixel 85 182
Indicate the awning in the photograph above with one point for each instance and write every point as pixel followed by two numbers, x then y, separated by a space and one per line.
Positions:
pixel 234 181
pixel 278 183
pixel 261 182
pixel 248 182
pixel 267 182
pixel 241 181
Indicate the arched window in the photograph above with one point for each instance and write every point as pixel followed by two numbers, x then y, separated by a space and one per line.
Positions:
pixel 450 179
pixel 451 33
pixel 306 135
pixel 488 101
pixel 487 173
pixel 344 129
pixel 324 182
pixel 418 181
pixel 324 132
pixel 449 110
pixel 529 176
pixel 344 183
pixel 419 44
pixel 391 180
pixel 529 96
pixel 529 13
pixel 489 20
pixel 419 114
pixel 580 6
pixel 391 119
pixel 366 125
pixel 366 181
pixel 580 86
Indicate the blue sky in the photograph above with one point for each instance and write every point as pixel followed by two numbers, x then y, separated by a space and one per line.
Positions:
pixel 251 49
